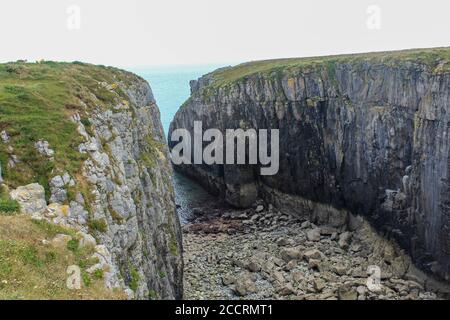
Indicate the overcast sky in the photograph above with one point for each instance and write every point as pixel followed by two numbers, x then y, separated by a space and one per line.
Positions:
pixel 159 32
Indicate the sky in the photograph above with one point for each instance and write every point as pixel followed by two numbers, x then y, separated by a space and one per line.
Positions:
pixel 130 33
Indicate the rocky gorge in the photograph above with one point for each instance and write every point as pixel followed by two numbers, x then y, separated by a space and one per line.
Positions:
pixel 360 135
pixel 358 210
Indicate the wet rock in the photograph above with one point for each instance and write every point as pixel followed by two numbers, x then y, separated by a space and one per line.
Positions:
pixel 259 209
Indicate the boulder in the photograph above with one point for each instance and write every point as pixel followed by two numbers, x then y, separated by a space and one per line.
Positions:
pixel 339 269
pixel 344 239
pixel 318 284
pixel 253 265
pixel 289 254
pixel 60 240
pixel 259 208
pixel 313 254
pixel 31 198
pixel 313 234
pixel 245 285
pixel 286 290
pixel 228 279
pixel 347 292
pixel 86 240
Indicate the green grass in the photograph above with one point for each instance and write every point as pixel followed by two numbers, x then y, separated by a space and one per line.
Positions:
pixel 7 206
pixel 99 225
pixel 436 59
pixel 30 269
pixel 37 101
pixel 134 278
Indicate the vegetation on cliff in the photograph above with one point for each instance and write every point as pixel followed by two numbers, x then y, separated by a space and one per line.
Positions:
pixel 37 101
pixel 436 59
pixel 27 253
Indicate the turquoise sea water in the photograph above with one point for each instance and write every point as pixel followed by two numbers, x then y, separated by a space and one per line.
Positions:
pixel 170 86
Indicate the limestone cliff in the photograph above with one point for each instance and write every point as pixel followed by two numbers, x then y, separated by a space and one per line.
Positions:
pixel 92 137
pixel 366 133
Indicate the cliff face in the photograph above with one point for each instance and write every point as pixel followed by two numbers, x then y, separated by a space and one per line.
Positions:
pixel 99 151
pixel 367 133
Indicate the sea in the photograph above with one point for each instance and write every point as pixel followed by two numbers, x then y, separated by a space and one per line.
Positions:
pixel 170 86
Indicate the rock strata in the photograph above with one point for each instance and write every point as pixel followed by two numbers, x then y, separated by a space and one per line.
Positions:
pixel 363 133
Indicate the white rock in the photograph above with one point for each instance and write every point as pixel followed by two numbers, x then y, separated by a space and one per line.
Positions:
pixel 60 240
pixel 86 240
pixel 30 197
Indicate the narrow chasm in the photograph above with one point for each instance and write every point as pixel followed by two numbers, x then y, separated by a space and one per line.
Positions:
pixel 359 206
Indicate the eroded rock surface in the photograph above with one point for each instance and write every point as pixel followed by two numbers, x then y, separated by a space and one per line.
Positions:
pixel 365 133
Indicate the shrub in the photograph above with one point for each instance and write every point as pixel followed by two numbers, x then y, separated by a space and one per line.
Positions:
pixel 8 206
pixel 98 225
pixel 98 274
pixel 134 278
pixel 72 245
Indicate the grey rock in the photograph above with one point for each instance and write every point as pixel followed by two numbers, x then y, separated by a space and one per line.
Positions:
pixel 4 136
pixel 259 208
pixel 31 198
pixel 368 127
pixel 313 234
pixel 286 290
pixel 289 254
pixel 245 285
pixel 43 148
pixel 347 292
pixel 228 280
pixel 254 265
pixel 313 254
pixel 344 239
pixel 86 240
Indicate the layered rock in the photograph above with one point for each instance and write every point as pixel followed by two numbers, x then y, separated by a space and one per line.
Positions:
pixel 364 133
pixel 116 187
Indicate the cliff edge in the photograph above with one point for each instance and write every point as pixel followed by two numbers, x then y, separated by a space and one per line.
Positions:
pixel 82 148
pixel 366 133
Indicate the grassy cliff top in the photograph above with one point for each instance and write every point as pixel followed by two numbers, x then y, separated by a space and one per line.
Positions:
pixel 36 103
pixel 437 59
